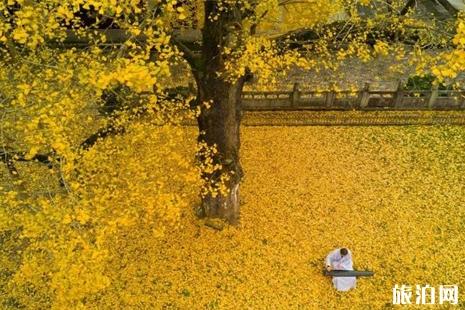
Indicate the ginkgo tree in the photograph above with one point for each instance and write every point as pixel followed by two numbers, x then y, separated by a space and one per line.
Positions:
pixel 89 113
pixel 130 46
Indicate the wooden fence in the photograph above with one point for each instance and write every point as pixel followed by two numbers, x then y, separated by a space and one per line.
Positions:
pixel 366 99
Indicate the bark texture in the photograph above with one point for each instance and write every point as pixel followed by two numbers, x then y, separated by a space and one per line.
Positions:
pixel 220 124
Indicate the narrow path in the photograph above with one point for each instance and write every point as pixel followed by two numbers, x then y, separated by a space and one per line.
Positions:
pixel 353 118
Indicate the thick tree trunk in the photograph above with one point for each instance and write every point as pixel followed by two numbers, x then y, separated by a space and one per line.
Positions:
pixel 220 124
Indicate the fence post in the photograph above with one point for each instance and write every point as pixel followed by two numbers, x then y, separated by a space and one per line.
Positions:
pixel 295 96
pixel 433 96
pixel 365 96
pixel 330 95
pixel 399 94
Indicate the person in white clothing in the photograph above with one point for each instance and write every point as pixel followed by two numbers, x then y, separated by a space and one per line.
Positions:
pixel 341 259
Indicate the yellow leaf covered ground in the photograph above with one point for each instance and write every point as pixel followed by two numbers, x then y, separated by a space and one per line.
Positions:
pixel 394 195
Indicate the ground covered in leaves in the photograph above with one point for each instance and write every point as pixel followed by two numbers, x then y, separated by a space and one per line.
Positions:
pixel 394 195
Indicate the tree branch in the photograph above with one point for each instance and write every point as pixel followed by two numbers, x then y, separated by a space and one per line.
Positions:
pixel 407 7
pixel 253 28
pixel 191 57
pixel 307 36
pixel 10 157
pixel 120 36
pixel 101 134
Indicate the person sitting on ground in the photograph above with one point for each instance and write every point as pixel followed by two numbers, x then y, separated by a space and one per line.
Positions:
pixel 341 259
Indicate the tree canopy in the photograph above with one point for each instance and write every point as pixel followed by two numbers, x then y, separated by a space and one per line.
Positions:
pixel 90 129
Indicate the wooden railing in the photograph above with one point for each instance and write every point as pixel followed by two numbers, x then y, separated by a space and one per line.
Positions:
pixel 366 99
